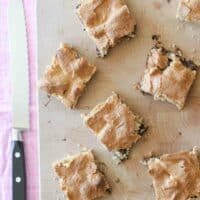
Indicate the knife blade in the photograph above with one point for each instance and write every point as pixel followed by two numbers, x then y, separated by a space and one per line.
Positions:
pixel 20 93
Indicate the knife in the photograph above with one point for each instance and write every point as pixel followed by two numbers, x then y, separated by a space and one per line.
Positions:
pixel 20 91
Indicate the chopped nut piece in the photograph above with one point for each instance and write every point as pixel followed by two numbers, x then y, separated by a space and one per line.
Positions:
pixel 189 10
pixel 106 21
pixel 168 75
pixel 67 76
pixel 80 178
pixel 116 126
pixel 176 176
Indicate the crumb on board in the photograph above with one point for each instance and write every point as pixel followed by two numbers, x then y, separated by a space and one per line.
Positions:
pixel 146 157
pixel 102 167
pixel 78 145
pixel 84 107
pixel 157 5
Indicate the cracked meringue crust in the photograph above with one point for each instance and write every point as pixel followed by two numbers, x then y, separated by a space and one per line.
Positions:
pixel 67 76
pixel 176 176
pixel 189 10
pixel 106 21
pixel 116 126
pixel 168 75
pixel 80 178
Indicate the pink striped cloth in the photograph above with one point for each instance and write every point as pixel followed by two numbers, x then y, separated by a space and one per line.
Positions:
pixel 5 105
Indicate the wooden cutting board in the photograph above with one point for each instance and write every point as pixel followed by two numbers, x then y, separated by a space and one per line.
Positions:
pixel 62 131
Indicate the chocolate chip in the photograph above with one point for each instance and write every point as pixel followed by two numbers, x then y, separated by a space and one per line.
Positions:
pixel 121 155
pixel 169 61
pixel 78 6
pixel 144 93
pixel 190 64
pixel 109 190
pixel 155 37
pixel 123 151
pixel 142 129
pixel 98 52
pixel 194 197
pixel 134 32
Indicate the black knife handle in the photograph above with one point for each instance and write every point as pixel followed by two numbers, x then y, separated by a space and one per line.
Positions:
pixel 18 171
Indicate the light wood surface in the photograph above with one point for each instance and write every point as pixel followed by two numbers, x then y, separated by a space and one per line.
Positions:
pixel 62 131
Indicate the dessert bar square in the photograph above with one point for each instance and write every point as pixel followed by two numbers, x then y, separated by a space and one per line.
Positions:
pixel 116 126
pixel 168 75
pixel 189 10
pixel 106 21
pixel 67 76
pixel 80 178
pixel 177 175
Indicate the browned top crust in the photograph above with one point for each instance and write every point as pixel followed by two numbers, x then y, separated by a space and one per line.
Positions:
pixel 189 10
pixel 67 76
pixel 176 176
pixel 80 178
pixel 168 76
pixel 106 21
pixel 114 124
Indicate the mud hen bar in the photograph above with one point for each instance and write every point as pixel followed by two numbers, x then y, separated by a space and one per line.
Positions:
pixel 168 75
pixel 189 10
pixel 116 126
pixel 80 178
pixel 67 76
pixel 177 175
pixel 106 21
